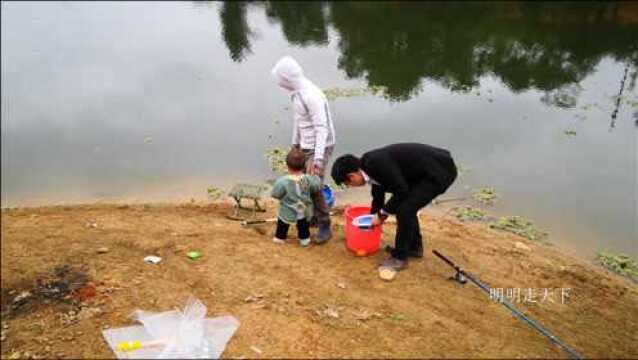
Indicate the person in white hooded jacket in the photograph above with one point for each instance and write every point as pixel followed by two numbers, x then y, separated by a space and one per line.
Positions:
pixel 313 130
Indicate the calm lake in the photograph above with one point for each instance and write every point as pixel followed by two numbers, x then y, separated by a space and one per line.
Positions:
pixel 156 101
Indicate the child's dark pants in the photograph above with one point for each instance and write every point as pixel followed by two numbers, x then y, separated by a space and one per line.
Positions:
pixel 303 229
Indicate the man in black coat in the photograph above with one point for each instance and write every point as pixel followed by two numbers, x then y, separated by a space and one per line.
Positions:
pixel 414 174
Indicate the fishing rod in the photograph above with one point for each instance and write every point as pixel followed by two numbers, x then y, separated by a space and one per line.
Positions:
pixel 461 276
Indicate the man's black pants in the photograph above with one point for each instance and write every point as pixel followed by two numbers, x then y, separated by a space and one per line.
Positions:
pixel 408 236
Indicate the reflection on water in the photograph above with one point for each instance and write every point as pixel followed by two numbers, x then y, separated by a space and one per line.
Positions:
pixel 545 46
pixel 158 101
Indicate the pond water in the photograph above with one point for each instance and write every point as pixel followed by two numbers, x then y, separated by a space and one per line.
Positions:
pixel 145 101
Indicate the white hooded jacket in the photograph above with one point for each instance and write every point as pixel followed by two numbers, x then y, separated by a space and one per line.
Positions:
pixel 312 121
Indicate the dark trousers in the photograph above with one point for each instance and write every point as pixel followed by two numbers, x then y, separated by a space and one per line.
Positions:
pixel 408 237
pixel 303 229
pixel 321 213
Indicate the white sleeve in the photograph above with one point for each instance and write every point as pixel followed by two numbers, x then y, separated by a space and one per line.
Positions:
pixel 295 131
pixel 317 111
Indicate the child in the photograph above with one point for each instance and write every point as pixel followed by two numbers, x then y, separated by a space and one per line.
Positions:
pixel 294 192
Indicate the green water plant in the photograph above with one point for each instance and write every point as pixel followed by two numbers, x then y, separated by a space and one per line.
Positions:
pixel 621 264
pixel 519 226
pixel 463 170
pixel 468 213
pixel 214 193
pixel 485 195
pixel 335 93
pixel 277 160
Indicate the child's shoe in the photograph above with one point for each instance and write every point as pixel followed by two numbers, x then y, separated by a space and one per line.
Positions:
pixel 277 240
pixel 304 242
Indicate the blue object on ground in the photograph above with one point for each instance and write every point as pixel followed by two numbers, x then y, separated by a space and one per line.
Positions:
pixel 328 195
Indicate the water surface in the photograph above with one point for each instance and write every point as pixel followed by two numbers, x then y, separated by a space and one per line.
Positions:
pixel 155 101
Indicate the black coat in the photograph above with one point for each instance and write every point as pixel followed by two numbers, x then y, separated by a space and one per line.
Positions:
pixel 398 167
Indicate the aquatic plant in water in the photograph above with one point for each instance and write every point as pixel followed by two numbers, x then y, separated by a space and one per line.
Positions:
pixel 214 193
pixel 467 213
pixel 519 226
pixel 485 195
pixel 277 160
pixel 335 93
pixel 462 170
pixel 619 263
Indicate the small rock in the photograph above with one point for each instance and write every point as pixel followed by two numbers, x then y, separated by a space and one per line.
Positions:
pixel 255 349
pixel 341 285
pixel 521 246
pixel 102 250
pixel 105 327
pixel 3 337
pixel 47 348
pixel 5 326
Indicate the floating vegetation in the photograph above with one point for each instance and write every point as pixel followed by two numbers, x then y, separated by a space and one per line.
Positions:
pixel 335 93
pixel 564 98
pixel 277 160
pixel 619 263
pixel 463 170
pixel 570 132
pixel 148 140
pixel 518 226
pixel 468 213
pixel 214 193
pixel 485 195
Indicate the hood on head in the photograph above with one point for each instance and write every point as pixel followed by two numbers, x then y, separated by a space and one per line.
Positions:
pixel 288 73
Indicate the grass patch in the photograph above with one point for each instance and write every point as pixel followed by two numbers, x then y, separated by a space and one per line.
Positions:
pixel 485 195
pixel 619 263
pixel 468 213
pixel 519 226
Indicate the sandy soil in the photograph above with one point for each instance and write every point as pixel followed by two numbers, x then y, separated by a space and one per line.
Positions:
pixel 291 301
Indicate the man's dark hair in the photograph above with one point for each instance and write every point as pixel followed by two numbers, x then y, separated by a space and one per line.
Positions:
pixel 296 159
pixel 343 166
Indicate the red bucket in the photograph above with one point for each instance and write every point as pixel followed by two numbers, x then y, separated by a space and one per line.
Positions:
pixel 361 242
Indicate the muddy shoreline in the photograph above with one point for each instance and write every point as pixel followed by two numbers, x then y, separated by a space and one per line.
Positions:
pixel 313 302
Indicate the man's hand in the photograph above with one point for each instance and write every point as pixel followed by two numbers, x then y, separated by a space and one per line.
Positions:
pixel 377 220
pixel 317 170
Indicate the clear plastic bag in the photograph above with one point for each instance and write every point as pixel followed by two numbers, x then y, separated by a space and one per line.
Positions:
pixel 173 334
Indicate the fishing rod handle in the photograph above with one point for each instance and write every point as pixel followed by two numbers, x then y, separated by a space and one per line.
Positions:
pixel 448 261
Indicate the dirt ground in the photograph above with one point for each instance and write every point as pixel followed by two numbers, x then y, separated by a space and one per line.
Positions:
pixel 70 272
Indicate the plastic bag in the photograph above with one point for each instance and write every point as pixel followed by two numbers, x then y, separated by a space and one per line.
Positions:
pixel 173 334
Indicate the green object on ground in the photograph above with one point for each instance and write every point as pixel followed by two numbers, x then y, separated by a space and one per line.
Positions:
pixel 519 226
pixel 619 263
pixel 194 255
pixel 468 213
